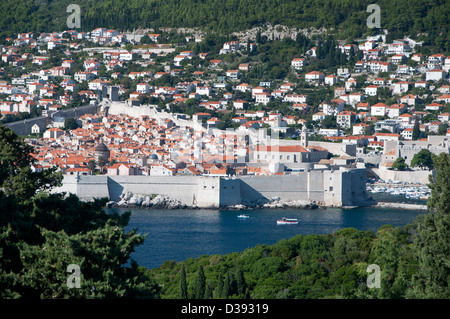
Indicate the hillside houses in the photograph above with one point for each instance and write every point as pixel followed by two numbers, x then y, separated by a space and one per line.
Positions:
pixel 315 76
pixel 298 63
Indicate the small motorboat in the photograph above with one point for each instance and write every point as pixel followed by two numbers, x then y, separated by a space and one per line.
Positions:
pixel 287 221
pixel 243 216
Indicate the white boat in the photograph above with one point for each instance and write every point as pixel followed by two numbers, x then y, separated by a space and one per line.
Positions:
pixel 378 189
pixel 398 192
pixel 243 216
pixel 287 221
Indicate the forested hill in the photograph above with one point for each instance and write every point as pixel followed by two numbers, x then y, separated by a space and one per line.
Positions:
pixel 347 16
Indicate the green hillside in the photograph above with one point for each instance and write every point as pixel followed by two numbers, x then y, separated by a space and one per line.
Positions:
pixel 347 17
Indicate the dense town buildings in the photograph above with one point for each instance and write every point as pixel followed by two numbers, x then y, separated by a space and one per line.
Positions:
pixel 380 99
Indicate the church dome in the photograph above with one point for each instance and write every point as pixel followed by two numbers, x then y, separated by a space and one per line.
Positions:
pixel 101 147
pixel 102 151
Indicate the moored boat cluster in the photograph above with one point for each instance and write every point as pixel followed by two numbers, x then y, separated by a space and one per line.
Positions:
pixel 413 192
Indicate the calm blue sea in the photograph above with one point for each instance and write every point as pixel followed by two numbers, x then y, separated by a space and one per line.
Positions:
pixel 181 234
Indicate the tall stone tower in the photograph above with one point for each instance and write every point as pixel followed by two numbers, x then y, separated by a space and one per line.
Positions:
pixel 304 137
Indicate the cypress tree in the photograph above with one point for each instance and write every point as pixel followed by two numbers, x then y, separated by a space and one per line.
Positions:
pixel 208 291
pixel 240 282
pixel 219 288
pixel 226 290
pixel 416 130
pixel 351 57
pixel 200 284
pixel 183 285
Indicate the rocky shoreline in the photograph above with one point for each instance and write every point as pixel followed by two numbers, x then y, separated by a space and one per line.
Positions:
pixel 275 202
pixel 144 201
pixel 401 205
pixel 130 200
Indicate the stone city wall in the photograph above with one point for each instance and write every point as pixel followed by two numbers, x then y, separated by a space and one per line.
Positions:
pixel 325 188
pixel 77 111
pixel 414 177
pixel 24 127
pixel 118 108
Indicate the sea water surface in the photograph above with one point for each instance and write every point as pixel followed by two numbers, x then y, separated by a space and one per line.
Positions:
pixel 182 234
